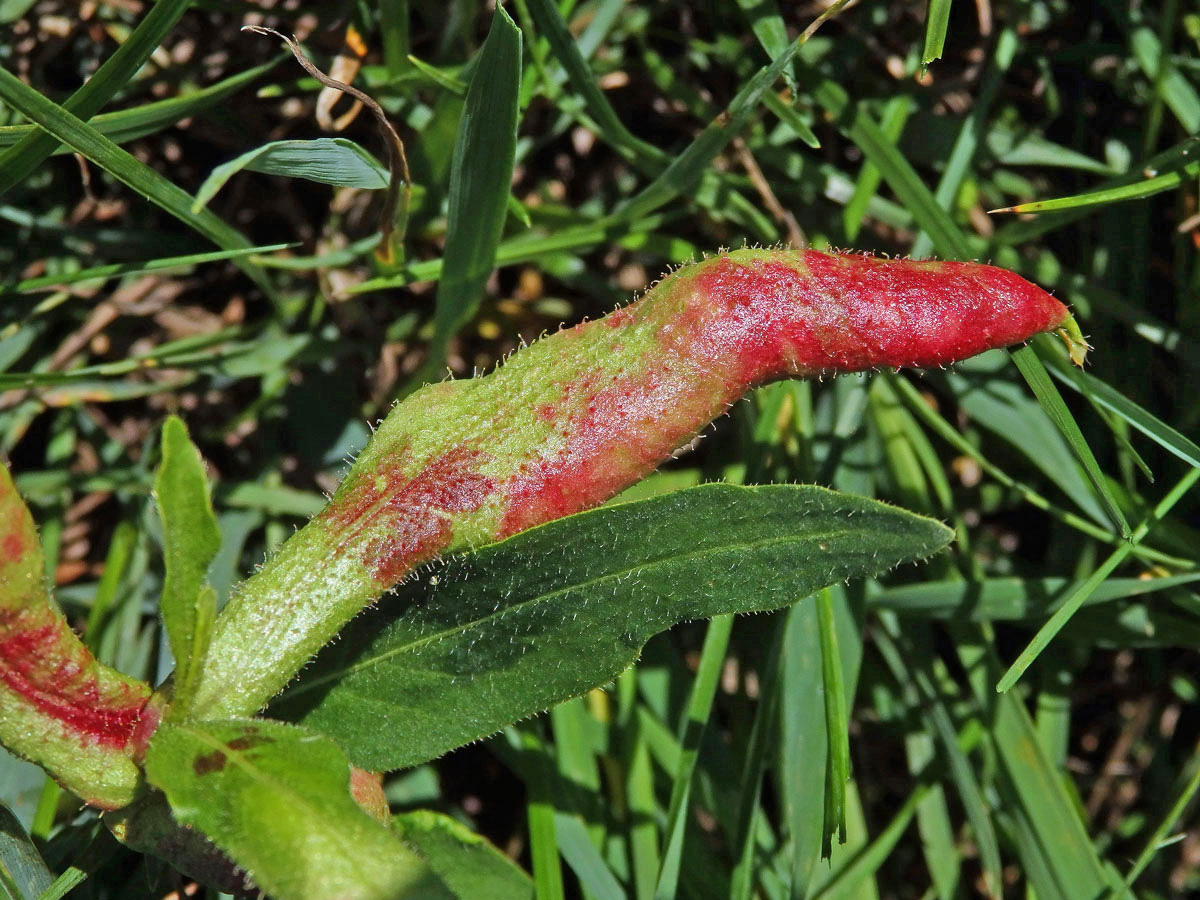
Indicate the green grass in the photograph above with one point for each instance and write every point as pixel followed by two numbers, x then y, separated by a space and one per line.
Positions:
pixel 734 751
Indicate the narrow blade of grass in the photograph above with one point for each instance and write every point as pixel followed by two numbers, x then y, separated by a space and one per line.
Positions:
pixel 936 20
pixel 121 165
pixel 127 125
pixel 117 270
pixel 17 162
pixel 1138 191
pixel 543 839
pixel 761 739
pixel 1080 595
pixel 836 723
pixel 856 123
pixel 768 26
pixel 1110 398
pixel 595 877
pixel 687 168
pixel 866 862
pixel 1052 402
pixel 699 708
pixel 481 172
pixel 975 128
pixel 1158 837
pixel 1034 788
pixel 803 744
pixel 895 115
pixel 565 49
pixel 898 648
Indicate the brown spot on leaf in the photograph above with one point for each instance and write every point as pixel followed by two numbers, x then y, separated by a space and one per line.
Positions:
pixel 209 762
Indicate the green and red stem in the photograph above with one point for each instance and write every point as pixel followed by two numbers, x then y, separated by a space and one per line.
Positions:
pixel 562 426
pixel 568 422
pixel 58 706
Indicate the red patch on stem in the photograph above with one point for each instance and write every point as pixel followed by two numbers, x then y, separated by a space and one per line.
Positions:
pixel 395 521
pixel 732 323
pixel 766 319
pixel 41 662
pixel 614 436
pixel 12 548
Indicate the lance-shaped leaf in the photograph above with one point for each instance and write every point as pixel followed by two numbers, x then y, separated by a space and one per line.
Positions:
pixel 510 630
pixel 191 538
pixel 277 799
pixel 59 707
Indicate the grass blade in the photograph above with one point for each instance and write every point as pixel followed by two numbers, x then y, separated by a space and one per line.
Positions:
pixel 1033 789
pixel 481 171
pixel 1052 402
pixel 127 125
pixel 856 123
pixel 550 23
pixel 336 161
pixel 1080 595
pixel 84 139
pixel 687 168
pixel 837 726
pixel 1110 398
pixel 17 162
pixel 1137 191
pixel 936 20
pixel 704 688
pixel 118 270
pixel 23 874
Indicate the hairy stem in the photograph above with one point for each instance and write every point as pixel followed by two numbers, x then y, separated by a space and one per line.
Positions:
pixel 571 420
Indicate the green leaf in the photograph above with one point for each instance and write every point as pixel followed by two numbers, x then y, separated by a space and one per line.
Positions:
pixel 937 18
pixel 550 23
pixel 88 142
pixel 513 628
pixel 467 863
pixel 191 540
pixel 17 162
pixel 336 161
pixel 1009 599
pixel 23 874
pixel 1112 399
pixel 277 799
pixel 126 125
pixel 1052 402
pixel 480 175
